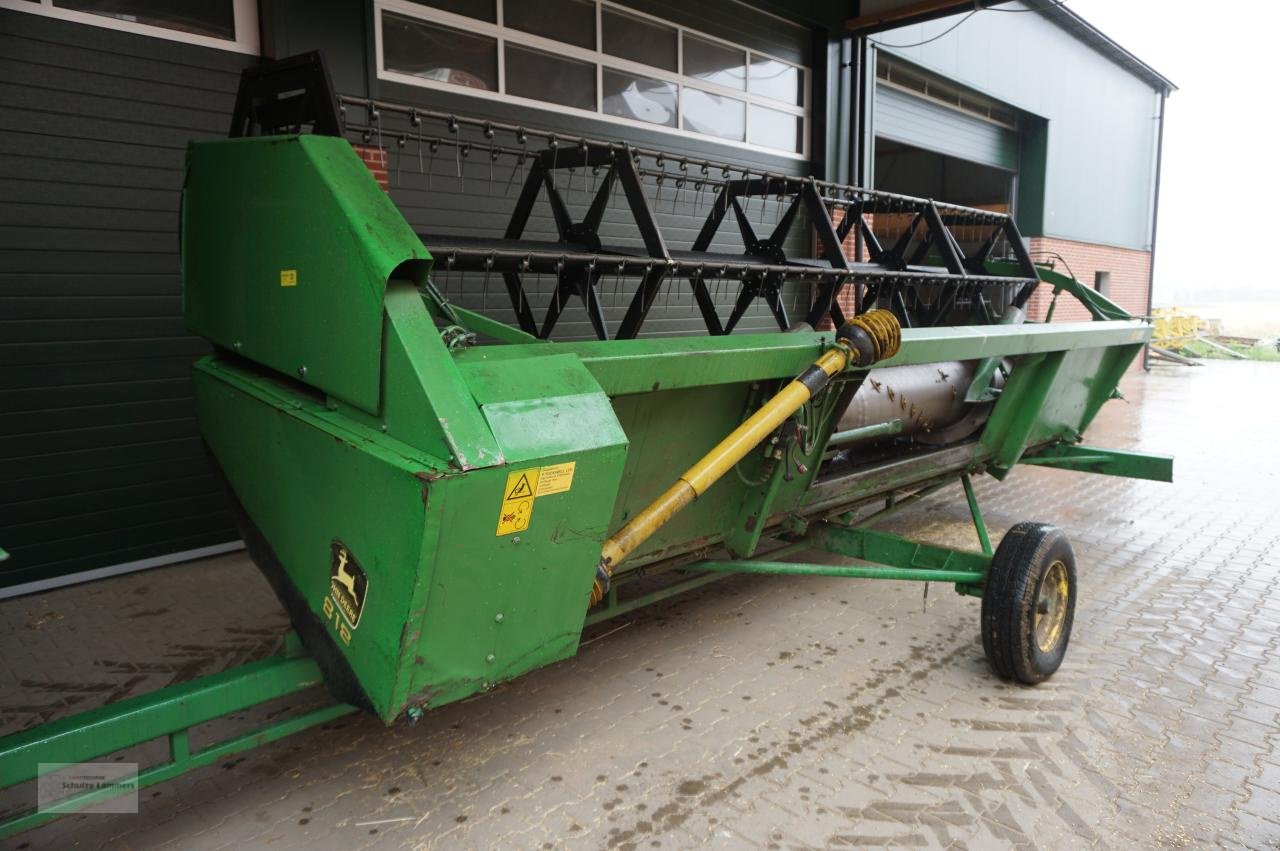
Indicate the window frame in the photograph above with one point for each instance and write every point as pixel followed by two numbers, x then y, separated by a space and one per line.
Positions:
pixel 601 60
pixel 244 16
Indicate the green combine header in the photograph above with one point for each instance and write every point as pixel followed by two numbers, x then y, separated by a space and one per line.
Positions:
pixel 443 498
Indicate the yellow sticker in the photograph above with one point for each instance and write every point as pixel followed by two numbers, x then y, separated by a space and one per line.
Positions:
pixel 517 501
pixel 288 277
pixel 556 478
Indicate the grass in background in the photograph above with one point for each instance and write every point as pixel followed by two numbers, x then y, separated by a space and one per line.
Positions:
pixel 1261 352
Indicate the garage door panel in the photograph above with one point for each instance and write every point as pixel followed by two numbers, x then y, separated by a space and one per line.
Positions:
pixel 913 120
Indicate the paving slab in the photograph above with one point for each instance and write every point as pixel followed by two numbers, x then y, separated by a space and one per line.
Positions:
pixel 775 712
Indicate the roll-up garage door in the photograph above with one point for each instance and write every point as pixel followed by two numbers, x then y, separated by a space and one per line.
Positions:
pixel 923 123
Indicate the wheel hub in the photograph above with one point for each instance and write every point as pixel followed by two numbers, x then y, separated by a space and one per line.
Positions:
pixel 1051 607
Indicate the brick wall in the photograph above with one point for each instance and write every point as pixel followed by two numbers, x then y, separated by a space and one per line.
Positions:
pixel 845 299
pixel 376 159
pixel 1130 276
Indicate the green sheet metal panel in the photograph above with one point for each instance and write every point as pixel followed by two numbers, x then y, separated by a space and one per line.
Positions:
pixel 450 607
pixel 312 305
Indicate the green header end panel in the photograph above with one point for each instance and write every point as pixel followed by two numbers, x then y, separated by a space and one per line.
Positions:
pixel 514 548
pixel 340 509
pixel 413 583
pixel 287 245
pixel 1054 396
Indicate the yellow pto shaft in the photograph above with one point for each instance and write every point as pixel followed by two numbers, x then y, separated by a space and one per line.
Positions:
pixel 862 341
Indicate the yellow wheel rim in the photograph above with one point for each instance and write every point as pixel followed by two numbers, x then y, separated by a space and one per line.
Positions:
pixel 1051 607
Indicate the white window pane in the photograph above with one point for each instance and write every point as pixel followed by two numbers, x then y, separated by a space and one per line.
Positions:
pixel 214 19
pixel 778 80
pixel 482 10
pixel 714 115
pixel 715 62
pixel 642 98
pixel 638 39
pixel 554 79
pixel 435 52
pixel 570 21
pixel 773 129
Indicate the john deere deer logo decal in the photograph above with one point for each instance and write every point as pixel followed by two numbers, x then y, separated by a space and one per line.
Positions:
pixel 348 583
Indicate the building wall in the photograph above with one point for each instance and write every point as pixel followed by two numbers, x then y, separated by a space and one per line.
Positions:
pixel 101 462
pixel 1130 275
pixel 443 205
pixel 1101 120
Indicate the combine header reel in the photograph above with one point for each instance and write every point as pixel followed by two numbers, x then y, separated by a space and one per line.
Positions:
pixel 439 515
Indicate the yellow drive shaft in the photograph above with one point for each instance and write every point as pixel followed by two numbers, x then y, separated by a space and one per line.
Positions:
pixel 862 341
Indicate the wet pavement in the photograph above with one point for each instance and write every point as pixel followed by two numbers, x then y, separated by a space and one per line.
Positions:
pixel 777 712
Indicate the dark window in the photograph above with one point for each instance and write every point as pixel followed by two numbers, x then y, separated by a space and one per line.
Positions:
pixel 715 62
pixel 1102 283
pixel 215 19
pixel 481 10
pixel 435 52
pixel 642 98
pixel 570 21
pixel 554 79
pixel 639 39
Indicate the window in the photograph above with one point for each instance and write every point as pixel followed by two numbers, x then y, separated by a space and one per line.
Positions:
pixel 547 77
pixel 596 58
pixel 899 76
pixel 227 24
pixel 713 62
pixel 640 98
pixel 439 53
pixel 640 40
pixel 1102 283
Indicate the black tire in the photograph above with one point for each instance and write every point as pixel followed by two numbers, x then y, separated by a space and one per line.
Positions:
pixel 1028 572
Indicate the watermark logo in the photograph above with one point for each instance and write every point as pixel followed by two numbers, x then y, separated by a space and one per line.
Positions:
pixel 89 787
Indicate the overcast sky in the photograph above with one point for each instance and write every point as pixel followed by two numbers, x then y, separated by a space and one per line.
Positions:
pixel 1219 222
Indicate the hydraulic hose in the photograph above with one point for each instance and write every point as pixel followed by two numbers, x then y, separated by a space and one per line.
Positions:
pixel 862 341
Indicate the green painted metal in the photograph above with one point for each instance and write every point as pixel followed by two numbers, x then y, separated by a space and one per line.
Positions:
pixel 978 524
pixel 172 711
pixel 314 298
pixel 788 568
pixel 888 549
pixel 1109 462
pixel 403 447
pixel 877 430
pixel 668 363
pixel 616 608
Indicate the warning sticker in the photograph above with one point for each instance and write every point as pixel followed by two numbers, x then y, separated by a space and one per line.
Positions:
pixel 288 277
pixel 517 501
pixel 556 478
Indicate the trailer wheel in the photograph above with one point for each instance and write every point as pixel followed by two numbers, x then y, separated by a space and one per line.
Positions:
pixel 1029 603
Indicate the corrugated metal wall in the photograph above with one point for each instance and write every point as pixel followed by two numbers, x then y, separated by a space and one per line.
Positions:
pixel 100 462
pixel 1102 119
pixel 904 117
pixel 100 459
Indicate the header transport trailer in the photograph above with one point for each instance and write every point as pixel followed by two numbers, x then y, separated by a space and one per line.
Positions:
pixel 442 500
